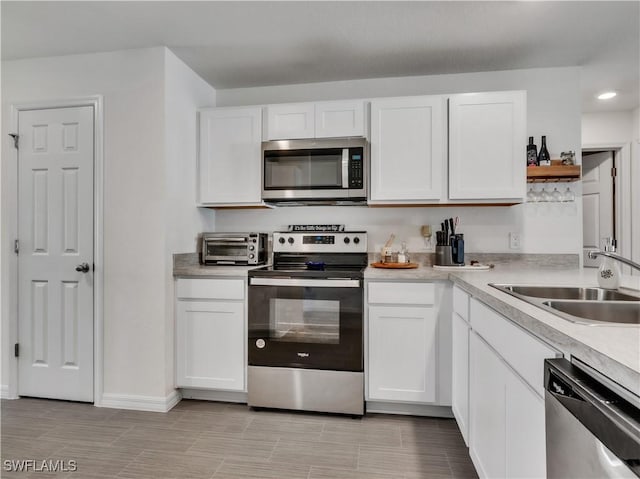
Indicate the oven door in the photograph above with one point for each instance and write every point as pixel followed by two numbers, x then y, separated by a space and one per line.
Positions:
pixel 306 323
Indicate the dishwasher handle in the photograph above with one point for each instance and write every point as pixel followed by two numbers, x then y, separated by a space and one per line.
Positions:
pixel 614 421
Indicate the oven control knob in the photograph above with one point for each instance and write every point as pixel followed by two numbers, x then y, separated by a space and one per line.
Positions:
pixel 260 343
pixel 251 247
pixel 290 240
pixel 281 240
pixel 251 255
pixel 356 240
pixel 347 240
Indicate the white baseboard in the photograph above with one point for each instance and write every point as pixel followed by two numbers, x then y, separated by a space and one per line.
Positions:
pixel 210 395
pixel 4 392
pixel 409 409
pixel 140 403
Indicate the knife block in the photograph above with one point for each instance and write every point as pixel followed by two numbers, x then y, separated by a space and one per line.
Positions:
pixel 443 256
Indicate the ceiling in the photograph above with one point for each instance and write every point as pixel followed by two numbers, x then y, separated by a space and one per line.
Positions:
pixel 239 44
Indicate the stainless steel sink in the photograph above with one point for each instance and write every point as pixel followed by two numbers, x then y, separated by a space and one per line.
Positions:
pixel 568 292
pixel 606 311
pixel 592 306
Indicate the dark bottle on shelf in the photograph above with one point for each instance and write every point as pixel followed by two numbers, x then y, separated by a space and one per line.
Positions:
pixel 532 153
pixel 543 157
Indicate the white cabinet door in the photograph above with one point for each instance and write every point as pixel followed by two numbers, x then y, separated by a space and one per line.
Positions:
pixel 460 374
pixel 229 156
pixel 525 432
pixel 210 345
pixel 407 149
pixel 402 353
pixel 487 409
pixel 290 121
pixel 487 146
pixel 339 119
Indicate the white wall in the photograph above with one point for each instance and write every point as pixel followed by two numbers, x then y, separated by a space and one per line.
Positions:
pixel 139 198
pixel 621 130
pixel 553 109
pixel 185 92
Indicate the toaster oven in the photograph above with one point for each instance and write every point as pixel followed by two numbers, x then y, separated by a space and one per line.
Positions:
pixel 234 248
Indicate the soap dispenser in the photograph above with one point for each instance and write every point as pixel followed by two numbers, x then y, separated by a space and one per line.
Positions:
pixel 609 272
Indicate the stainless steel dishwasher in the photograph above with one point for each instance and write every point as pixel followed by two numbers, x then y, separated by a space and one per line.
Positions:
pixel 592 424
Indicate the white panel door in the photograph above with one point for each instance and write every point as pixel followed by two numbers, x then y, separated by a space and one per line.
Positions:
pixel 210 345
pixel 230 156
pixel 597 202
pixel 339 119
pixel 460 374
pixel 402 353
pixel 407 149
pixel 487 145
pixel 290 121
pixel 55 226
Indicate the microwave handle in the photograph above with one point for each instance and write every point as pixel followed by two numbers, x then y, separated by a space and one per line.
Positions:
pixel 345 167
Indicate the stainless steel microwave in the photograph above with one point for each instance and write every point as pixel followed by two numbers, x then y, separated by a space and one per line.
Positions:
pixel 320 171
pixel 234 248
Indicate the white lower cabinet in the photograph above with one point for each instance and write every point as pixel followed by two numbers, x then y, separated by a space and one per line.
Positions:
pixel 408 357
pixel 402 353
pixel 506 405
pixel 210 335
pixel 460 373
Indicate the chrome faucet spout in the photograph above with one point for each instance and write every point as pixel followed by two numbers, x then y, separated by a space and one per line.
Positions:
pixel 617 257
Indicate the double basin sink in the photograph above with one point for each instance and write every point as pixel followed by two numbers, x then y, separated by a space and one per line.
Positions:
pixel 590 306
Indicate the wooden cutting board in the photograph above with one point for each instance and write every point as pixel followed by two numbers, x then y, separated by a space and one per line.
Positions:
pixel 395 265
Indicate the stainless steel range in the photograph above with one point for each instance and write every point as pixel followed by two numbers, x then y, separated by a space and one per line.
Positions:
pixel 306 323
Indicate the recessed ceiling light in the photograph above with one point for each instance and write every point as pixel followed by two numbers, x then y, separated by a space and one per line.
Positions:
pixel 607 95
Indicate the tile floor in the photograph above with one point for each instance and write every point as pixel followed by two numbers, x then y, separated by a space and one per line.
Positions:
pixel 200 439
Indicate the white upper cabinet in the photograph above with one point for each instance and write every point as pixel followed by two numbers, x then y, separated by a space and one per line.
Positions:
pixel 229 156
pixel 340 118
pixel 329 119
pixel 408 139
pixel 487 146
pixel 290 121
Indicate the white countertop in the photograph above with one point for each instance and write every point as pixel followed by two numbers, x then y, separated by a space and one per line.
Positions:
pixel 611 349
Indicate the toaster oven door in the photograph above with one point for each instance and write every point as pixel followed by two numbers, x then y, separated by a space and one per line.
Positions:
pixel 226 249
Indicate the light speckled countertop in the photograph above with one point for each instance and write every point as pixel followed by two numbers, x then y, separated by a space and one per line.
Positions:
pixel 612 350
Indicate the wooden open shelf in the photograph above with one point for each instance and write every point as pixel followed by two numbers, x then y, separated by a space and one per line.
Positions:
pixel 553 173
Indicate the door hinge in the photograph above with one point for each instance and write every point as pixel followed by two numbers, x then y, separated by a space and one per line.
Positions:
pixel 614 172
pixel 16 350
pixel 16 246
pixel 16 138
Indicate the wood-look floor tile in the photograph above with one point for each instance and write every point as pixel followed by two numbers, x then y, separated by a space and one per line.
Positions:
pixel 381 437
pixel 233 447
pixel 340 456
pixel 25 448
pixel 26 427
pixel 392 460
pixel 295 429
pixel 218 422
pixel 95 460
pixel 235 470
pixel 123 417
pixel 318 472
pixel 95 435
pixel 156 438
pixel 163 465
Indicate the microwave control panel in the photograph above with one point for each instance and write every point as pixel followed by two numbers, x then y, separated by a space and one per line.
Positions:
pixel 356 169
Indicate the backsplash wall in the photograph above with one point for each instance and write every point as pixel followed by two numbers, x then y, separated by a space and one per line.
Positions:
pixel 486 229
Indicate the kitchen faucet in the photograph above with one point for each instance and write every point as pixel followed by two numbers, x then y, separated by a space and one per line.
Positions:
pixel 595 253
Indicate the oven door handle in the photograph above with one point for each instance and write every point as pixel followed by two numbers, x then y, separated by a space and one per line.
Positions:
pixel 305 282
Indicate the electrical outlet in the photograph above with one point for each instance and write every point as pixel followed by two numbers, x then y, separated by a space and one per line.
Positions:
pixel 514 240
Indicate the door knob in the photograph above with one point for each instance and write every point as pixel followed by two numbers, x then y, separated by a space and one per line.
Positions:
pixel 83 268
